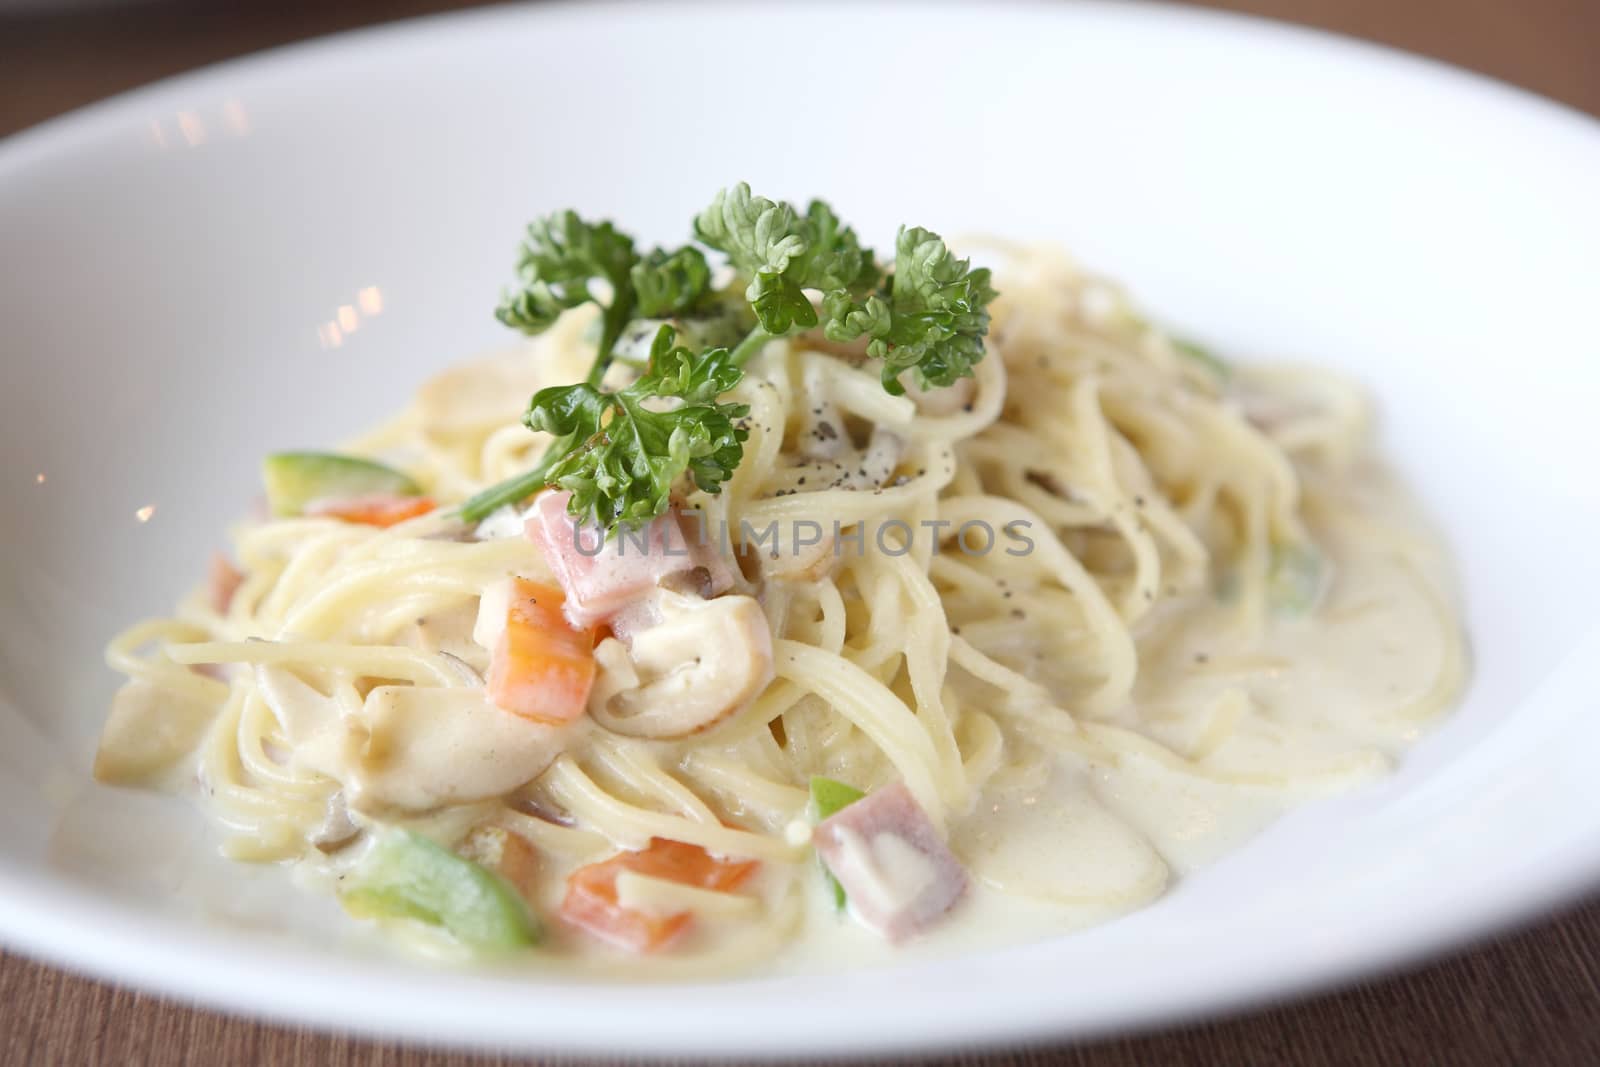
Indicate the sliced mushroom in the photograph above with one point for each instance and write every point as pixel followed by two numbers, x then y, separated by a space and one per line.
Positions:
pixel 428 747
pixel 338 829
pixel 150 729
pixel 699 662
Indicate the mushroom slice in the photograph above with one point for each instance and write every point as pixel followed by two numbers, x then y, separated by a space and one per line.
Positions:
pixel 337 829
pixel 699 662
pixel 149 731
pixel 432 746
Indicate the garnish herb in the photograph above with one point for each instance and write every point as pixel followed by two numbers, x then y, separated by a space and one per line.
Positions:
pixel 629 454
pixel 620 452
pixel 932 314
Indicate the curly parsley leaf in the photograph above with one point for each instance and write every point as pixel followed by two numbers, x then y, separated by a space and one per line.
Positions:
pixel 784 253
pixel 931 315
pixel 621 452
pixel 557 266
pixel 834 257
pixel 670 283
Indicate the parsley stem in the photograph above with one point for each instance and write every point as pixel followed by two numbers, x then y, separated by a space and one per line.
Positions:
pixel 752 343
pixel 512 490
pixel 617 315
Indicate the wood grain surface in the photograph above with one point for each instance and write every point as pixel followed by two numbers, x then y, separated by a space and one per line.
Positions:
pixel 1528 998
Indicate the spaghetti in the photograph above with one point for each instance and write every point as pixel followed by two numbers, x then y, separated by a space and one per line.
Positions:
pixel 1102 599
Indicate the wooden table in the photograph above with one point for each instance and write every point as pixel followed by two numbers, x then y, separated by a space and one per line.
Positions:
pixel 1530 998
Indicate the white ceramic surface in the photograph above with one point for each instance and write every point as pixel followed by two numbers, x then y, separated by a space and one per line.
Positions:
pixel 170 256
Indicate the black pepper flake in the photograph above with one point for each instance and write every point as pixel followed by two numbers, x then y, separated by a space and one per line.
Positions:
pixel 1139 501
pixel 826 431
pixel 1201 657
pixel 802 481
pixel 1018 613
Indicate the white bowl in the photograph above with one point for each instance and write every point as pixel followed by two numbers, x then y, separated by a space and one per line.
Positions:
pixel 171 256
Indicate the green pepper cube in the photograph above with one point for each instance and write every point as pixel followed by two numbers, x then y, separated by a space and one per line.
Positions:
pixel 296 479
pixel 407 876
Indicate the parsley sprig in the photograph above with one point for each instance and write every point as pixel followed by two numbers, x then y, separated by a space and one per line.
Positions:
pixel 630 449
pixel 621 452
pixel 784 254
pixel 931 314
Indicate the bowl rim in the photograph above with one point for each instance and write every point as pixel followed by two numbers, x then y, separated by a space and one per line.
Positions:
pixel 84 931
pixel 21 147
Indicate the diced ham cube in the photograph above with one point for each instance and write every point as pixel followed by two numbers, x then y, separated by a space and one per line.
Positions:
pixel 601 578
pixel 222 581
pixel 899 875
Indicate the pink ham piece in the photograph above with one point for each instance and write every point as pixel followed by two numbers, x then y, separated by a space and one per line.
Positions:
pixel 899 875
pixel 222 581
pixel 600 581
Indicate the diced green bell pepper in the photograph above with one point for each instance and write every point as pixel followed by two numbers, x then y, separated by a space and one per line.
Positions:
pixel 407 876
pixel 295 479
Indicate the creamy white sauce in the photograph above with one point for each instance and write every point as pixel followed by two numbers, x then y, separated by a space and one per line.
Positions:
pixel 1323 708
pixel 1306 706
